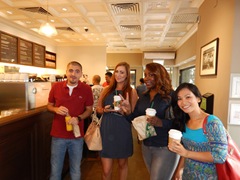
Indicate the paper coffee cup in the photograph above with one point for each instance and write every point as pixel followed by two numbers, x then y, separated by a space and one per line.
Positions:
pixel 116 103
pixel 174 134
pixel 150 112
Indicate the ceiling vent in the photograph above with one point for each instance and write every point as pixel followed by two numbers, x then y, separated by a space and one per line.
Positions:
pixel 133 39
pixel 130 27
pixel 190 18
pixel 125 8
pixel 65 29
pixel 39 10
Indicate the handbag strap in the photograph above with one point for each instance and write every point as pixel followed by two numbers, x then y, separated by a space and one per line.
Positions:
pixel 204 125
pixel 96 119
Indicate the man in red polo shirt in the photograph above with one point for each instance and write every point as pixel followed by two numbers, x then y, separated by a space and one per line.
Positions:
pixel 108 76
pixel 69 98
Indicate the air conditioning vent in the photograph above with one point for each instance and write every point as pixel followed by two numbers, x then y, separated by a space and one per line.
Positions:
pixel 133 39
pixel 190 18
pixel 130 27
pixel 39 10
pixel 160 55
pixel 65 29
pixel 125 8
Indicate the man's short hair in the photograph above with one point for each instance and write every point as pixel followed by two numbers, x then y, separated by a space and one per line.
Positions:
pixel 75 63
pixel 108 74
pixel 141 80
pixel 97 78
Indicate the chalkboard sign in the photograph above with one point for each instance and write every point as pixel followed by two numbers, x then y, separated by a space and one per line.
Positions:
pixel 38 55
pixel 8 48
pixel 25 52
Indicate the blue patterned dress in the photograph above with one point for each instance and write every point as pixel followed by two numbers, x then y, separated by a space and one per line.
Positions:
pixel 214 141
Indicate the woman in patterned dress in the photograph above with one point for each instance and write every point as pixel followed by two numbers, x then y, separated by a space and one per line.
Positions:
pixel 199 152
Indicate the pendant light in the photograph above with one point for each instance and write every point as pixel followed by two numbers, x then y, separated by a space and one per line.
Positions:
pixel 47 29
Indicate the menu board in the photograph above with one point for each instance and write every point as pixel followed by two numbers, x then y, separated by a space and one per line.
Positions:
pixel 25 52
pixel 8 48
pixel 38 55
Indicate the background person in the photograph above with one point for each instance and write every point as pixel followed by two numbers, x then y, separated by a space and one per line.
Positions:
pixel 74 98
pixel 108 76
pixel 198 154
pixel 141 88
pixel 96 89
pixel 115 129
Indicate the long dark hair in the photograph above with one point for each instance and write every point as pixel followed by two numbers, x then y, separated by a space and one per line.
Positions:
pixel 181 118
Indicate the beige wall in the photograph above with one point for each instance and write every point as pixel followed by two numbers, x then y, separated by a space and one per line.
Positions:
pixel 92 58
pixel 187 50
pixel 216 21
pixel 134 59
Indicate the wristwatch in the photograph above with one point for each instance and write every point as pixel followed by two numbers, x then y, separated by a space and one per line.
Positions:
pixel 79 118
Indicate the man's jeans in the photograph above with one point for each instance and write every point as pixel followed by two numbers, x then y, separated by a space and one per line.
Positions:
pixel 58 150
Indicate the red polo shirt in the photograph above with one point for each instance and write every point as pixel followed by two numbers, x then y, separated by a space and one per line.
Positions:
pixel 59 95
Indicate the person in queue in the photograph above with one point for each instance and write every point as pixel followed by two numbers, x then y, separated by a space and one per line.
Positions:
pixel 198 153
pixel 160 162
pixel 68 98
pixel 96 89
pixel 141 88
pixel 108 76
pixel 116 130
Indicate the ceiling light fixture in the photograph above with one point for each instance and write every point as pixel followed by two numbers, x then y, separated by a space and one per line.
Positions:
pixel 47 29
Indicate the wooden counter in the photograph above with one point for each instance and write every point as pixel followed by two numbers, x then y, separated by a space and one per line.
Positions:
pixel 25 145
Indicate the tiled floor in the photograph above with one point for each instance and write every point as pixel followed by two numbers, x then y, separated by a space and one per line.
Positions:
pixel 92 168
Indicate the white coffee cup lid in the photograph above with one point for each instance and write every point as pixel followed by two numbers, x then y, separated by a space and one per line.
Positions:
pixel 175 134
pixel 150 111
pixel 117 98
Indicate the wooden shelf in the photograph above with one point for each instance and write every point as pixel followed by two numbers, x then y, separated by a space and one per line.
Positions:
pixel 50 59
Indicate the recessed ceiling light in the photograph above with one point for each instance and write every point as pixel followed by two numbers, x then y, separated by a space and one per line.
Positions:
pixel 64 9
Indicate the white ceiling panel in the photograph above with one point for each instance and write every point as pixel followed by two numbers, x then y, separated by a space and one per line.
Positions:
pixel 144 25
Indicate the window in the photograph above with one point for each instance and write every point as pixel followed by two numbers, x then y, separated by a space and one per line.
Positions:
pixel 187 75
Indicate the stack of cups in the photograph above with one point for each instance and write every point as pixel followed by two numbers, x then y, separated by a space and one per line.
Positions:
pixel 174 134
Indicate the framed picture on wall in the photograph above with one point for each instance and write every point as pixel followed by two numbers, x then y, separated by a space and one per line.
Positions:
pixel 209 57
pixel 234 112
pixel 235 86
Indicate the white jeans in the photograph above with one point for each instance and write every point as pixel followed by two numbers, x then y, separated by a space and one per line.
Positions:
pixel 160 162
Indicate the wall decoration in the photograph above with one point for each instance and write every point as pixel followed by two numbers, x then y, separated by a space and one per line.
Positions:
pixel 209 57
pixel 235 86
pixel 234 112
